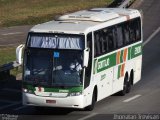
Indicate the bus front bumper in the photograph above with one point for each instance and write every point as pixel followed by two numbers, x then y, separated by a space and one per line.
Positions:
pixel 66 102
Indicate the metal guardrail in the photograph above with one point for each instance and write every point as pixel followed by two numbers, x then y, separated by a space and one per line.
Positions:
pixel 121 3
pixel 9 66
pixel 117 3
pixel 126 3
pixel 5 70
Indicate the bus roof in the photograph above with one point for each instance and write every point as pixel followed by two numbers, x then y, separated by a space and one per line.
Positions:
pixel 84 21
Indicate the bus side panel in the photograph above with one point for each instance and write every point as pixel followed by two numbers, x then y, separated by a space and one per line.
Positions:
pixel 117 82
pixel 122 67
pixel 88 94
pixel 136 56
pixel 104 83
pixel 138 68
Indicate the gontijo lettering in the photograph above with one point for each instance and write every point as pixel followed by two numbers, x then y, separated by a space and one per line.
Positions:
pixel 104 63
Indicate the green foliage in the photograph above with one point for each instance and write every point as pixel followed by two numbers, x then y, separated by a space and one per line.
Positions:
pixel 7 54
pixel 22 12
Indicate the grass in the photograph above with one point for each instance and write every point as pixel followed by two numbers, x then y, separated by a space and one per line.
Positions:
pixel 29 12
pixel 7 54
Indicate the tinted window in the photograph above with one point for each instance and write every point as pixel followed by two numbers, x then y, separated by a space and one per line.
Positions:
pixel 138 29
pixel 119 36
pixel 88 70
pixel 111 38
pixel 135 30
pixel 97 43
pixel 104 41
pixel 116 36
pixel 126 33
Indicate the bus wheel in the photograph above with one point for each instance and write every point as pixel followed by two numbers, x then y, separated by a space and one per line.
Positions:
pixel 91 107
pixel 128 89
pixel 124 91
pixel 130 83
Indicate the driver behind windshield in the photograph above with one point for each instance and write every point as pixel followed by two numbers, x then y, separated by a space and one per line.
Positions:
pixel 70 72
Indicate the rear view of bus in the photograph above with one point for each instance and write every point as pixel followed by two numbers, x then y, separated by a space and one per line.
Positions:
pixel 61 67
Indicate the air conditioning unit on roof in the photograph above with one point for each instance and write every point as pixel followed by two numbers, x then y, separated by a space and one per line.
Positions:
pixel 90 15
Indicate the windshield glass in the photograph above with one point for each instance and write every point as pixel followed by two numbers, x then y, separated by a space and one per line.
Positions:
pixel 53 67
pixel 56 41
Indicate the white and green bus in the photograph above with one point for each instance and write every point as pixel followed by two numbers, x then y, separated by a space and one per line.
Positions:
pixel 82 58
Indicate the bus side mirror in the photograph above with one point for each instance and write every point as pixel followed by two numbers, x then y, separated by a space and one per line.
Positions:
pixel 86 57
pixel 19 54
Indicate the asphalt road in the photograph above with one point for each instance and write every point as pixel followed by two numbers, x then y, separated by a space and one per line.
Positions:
pixel 13 36
pixel 143 99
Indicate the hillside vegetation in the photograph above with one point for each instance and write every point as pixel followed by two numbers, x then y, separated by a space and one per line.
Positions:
pixel 27 12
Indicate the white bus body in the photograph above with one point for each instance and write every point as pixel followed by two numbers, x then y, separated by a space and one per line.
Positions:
pixel 111 38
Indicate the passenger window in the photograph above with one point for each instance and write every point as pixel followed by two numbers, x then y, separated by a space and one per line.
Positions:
pixel 138 29
pixel 97 44
pixel 126 33
pixel 132 32
pixel 135 30
pixel 119 36
pixel 105 41
pixel 110 39
pixel 116 36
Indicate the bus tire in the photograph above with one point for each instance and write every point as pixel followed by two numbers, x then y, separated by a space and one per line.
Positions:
pixel 130 82
pixel 123 92
pixel 128 86
pixel 91 107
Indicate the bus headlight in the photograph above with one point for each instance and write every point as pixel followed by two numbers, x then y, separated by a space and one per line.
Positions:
pixel 24 90
pixel 27 91
pixel 75 94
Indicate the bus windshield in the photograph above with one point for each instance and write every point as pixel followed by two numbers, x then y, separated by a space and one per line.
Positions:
pixel 48 67
pixel 56 41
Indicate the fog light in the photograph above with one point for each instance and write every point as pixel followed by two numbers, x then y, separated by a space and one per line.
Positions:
pixel 74 94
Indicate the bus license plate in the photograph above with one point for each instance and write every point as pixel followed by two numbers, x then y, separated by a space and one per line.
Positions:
pixel 51 101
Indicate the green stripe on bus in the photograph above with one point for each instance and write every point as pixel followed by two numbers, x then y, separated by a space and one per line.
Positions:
pixel 106 62
pixel 64 90
pixel 61 90
pixel 95 66
pixel 136 50
pixel 129 53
